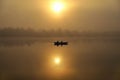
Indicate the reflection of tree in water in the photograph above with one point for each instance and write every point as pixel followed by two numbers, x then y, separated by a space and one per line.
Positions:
pixel 17 42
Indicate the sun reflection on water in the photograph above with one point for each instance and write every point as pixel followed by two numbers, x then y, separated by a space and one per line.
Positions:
pixel 57 60
pixel 57 64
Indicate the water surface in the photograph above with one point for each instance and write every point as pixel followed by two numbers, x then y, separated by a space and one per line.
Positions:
pixel 82 59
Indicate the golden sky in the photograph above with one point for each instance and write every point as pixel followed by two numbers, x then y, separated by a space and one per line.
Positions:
pixel 70 14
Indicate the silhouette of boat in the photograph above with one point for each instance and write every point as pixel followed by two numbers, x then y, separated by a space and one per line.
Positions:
pixel 60 43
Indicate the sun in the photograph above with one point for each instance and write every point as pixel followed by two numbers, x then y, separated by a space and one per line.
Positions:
pixel 57 7
pixel 57 60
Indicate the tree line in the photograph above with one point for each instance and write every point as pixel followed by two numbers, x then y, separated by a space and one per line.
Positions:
pixel 20 32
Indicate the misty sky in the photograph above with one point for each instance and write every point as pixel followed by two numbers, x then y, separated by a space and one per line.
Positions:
pixel 94 15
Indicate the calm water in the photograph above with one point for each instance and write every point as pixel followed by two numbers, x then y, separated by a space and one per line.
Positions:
pixel 82 59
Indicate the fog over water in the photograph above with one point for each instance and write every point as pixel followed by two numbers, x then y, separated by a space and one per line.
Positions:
pixel 82 59
pixel 28 29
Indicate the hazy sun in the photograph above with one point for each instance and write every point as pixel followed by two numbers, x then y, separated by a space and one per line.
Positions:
pixel 57 7
pixel 57 60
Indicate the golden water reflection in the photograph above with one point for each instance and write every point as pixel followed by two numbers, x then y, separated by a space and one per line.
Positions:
pixel 57 64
